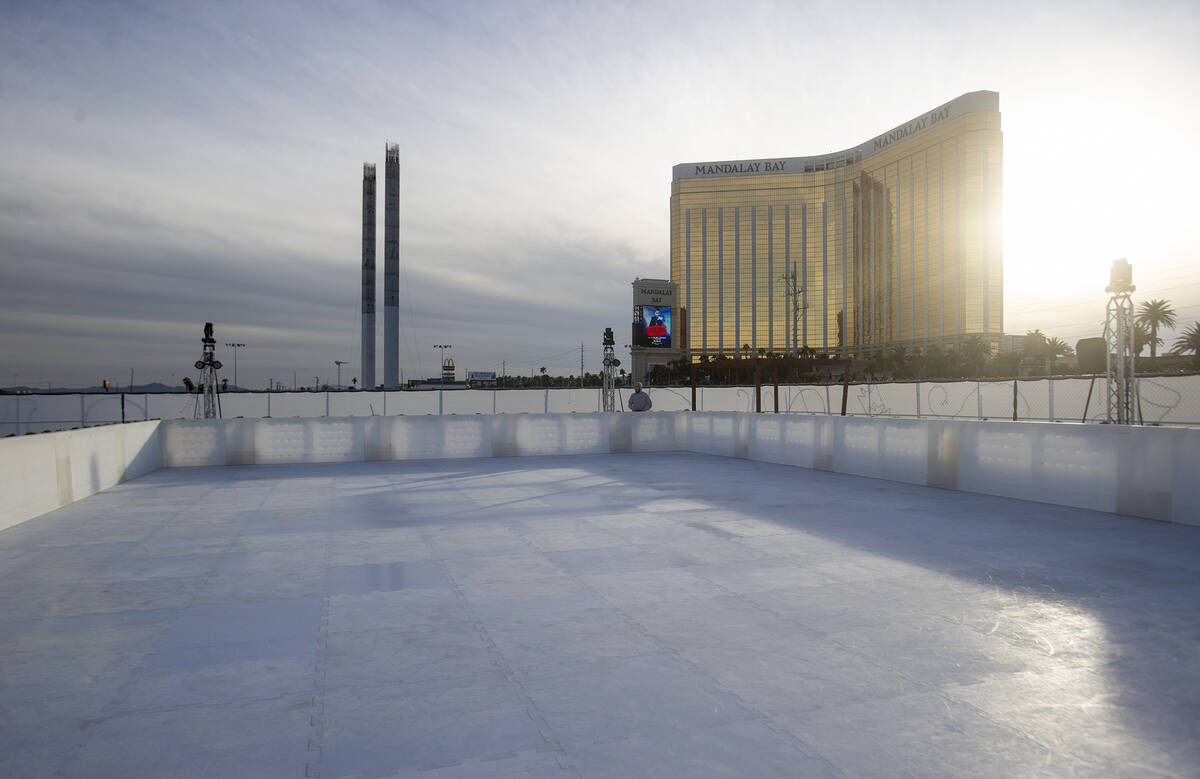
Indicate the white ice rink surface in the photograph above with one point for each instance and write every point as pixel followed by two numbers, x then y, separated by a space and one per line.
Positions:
pixel 598 615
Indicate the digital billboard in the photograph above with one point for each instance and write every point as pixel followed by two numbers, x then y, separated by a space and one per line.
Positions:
pixel 653 326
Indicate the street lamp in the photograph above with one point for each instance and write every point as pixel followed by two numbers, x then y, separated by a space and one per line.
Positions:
pixel 235 347
pixel 339 364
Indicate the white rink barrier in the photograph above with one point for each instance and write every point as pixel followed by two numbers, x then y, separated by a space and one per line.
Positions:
pixel 1139 471
pixel 44 472
pixel 1146 472
pixel 348 439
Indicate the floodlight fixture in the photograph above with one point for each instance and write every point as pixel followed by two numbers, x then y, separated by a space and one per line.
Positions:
pixel 1120 277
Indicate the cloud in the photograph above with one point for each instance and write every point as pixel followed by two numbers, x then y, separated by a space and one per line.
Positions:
pixel 166 165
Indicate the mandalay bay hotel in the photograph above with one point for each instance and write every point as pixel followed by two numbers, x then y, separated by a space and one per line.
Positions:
pixel 895 242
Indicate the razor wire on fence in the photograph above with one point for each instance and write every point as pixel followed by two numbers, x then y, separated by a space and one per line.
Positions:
pixel 1167 400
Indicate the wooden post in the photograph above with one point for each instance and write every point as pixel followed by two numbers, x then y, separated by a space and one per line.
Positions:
pixel 757 389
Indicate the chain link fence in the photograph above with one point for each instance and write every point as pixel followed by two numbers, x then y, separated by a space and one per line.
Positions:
pixel 1167 400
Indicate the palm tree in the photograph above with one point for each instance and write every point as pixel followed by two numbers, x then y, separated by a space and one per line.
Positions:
pixel 1055 348
pixel 1152 314
pixel 900 361
pixel 973 351
pixel 1189 341
pixel 1034 344
pixel 1141 337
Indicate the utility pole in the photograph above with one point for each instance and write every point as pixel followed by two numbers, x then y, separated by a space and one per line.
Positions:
pixel 581 365
pixel 794 290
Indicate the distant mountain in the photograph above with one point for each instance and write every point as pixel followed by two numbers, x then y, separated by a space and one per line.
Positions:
pixel 151 388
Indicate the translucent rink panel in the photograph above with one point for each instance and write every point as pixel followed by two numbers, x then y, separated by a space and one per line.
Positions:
pixel 426 438
pixel 284 442
pixel 895 449
pixel 655 433
pixel 192 444
pixel 713 434
pixel 545 434
pixel 783 439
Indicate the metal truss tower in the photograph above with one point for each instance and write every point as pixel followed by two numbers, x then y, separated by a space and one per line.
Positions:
pixel 208 366
pixel 608 394
pixel 391 268
pixel 1119 340
pixel 367 359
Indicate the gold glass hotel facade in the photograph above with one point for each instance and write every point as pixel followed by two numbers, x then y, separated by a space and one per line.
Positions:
pixel 895 242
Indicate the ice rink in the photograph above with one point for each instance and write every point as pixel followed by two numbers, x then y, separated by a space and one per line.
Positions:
pixel 667 614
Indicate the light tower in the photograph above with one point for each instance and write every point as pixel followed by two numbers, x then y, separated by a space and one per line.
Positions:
pixel 608 394
pixel 235 347
pixel 367 356
pixel 391 268
pixel 208 366
pixel 1119 340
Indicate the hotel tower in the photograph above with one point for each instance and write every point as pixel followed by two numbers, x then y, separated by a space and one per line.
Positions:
pixel 892 242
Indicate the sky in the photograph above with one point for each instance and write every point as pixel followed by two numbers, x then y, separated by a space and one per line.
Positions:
pixel 167 164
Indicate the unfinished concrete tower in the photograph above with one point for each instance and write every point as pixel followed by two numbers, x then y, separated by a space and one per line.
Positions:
pixel 391 268
pixel 367 358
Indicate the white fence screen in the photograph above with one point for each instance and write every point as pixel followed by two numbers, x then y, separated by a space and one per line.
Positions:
pixel 1173 400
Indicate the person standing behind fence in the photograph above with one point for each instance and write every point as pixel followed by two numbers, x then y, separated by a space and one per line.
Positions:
pixel 639 401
